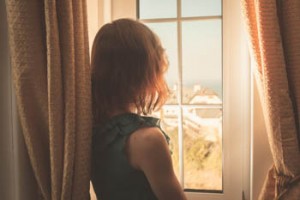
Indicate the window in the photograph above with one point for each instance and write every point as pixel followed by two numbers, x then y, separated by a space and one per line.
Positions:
pixel 193 114
pixel 208 113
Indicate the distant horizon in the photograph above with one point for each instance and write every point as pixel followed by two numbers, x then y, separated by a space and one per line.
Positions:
pixel 215 85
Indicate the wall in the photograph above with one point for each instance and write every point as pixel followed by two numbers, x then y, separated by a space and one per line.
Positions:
pixel 261 154
pixel 121 9
pixel 93 18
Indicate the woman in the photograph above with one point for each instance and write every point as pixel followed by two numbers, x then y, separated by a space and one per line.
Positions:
pixel 131 159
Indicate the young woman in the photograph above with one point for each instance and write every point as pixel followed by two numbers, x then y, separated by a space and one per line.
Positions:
pixel 131 159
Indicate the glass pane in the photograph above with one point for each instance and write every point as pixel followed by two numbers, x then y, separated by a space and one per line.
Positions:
pixel 202 62
pixel 197 8
pixel 169 123
pixel 152 9
pixel 167 33
pixel 202 140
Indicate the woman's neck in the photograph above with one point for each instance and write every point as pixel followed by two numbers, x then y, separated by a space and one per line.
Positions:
pixel 123 111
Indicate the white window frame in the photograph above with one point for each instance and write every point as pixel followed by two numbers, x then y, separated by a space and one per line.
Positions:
pixel 180 105
pixel 236 104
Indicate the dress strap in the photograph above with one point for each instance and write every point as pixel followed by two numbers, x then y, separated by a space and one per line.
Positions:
pixel 125 124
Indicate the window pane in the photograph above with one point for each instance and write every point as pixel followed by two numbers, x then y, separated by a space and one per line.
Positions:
pixel 169 123
pixel 167 33
pixel 202 62
pixel 152 9
pixel 202 140
pixel 193 8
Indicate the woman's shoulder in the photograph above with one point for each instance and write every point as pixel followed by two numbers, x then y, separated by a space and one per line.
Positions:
pixel 148 136
pixel 133 125
pixel 144 143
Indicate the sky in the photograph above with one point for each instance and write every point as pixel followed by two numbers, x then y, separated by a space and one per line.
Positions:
pixel 201 40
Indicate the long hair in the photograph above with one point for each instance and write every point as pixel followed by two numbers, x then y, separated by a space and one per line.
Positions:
pixel 128 65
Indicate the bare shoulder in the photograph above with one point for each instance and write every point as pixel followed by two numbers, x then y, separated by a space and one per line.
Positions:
pixel 148 136
pixel 149 152
pixel 146 144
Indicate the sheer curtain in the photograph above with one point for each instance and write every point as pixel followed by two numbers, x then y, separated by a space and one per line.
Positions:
pixel 274 37
pixel 51 77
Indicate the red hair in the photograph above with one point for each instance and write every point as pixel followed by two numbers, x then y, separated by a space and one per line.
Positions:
pixel 127 69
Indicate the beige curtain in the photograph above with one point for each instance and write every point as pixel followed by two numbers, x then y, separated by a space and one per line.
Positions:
pixel 51 74
pixel 274 37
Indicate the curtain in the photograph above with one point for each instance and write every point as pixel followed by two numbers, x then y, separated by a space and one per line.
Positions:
pixel 273 27
pixel 51 75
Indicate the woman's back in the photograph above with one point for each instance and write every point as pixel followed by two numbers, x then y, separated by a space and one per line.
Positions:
pixel 113 177
pixel 131 158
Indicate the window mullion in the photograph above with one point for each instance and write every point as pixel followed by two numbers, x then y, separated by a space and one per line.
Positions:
pixel 180 116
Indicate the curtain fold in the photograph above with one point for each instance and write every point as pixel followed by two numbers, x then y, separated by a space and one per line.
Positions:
pixel 274 37
pixel 51 74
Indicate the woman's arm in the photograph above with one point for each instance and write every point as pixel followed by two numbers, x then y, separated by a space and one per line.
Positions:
pixel 148 151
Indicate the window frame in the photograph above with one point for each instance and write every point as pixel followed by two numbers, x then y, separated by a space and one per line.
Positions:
pixel 180 105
